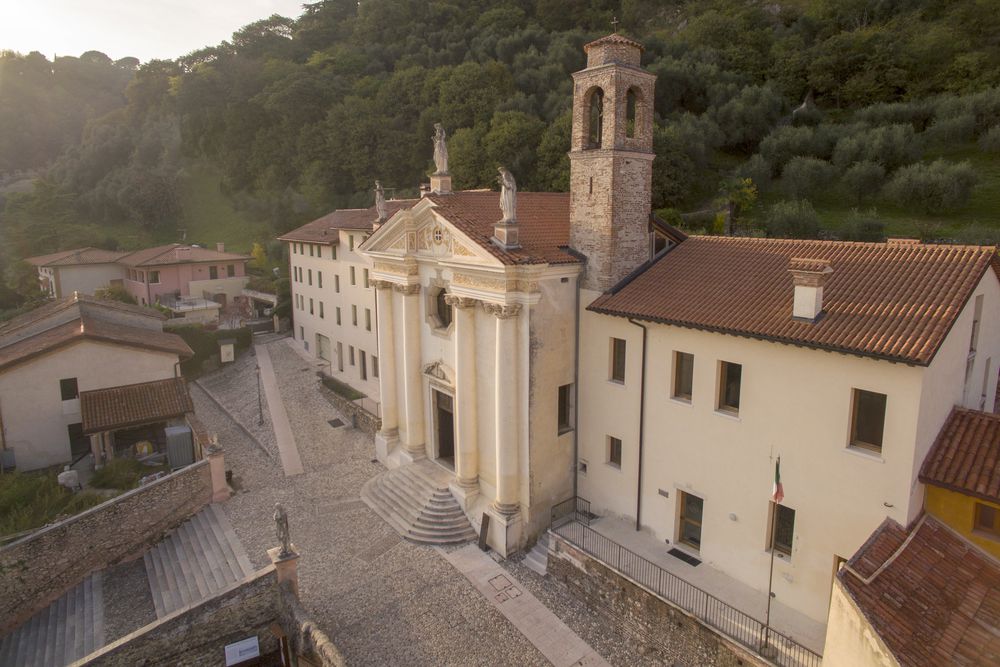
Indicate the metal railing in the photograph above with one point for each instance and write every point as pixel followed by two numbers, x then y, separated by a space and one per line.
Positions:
pixel 571 521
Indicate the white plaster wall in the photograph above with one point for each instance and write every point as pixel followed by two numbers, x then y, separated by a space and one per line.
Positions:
pixel 231 287
pixel 850 639
pixel 87 278
pixel 33 413
pixel 346 333
pixel 795 402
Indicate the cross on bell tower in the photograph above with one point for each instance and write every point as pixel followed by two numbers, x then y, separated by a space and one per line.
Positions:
pixel 611 161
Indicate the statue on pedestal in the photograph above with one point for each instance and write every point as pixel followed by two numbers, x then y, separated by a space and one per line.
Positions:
pixel 281 528
pixel 508 195
pixel 380 208
pixel 440 150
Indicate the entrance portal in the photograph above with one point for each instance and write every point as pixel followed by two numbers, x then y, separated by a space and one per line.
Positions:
pixel 445 418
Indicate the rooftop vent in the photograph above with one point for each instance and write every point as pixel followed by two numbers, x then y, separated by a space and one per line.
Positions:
pixel 808 277
pixel 220 247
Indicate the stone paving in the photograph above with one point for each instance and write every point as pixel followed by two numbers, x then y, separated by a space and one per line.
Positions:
pixel 381 599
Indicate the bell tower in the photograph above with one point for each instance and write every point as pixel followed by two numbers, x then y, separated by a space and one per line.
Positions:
pixel 611 161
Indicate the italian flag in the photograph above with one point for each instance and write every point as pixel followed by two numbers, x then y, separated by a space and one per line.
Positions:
pixel 777 492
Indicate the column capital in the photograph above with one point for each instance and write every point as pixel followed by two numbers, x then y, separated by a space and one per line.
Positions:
pixel 503 311
pixel 382 284
pixel 460 302
pixel 407 290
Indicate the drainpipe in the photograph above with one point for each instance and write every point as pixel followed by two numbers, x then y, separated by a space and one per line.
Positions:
pixel 576 391
pixel 642 423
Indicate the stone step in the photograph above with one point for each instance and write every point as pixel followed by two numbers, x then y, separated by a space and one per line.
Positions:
pixel 538 558
pixel 196 560
pixel 416 502
pixel 65 631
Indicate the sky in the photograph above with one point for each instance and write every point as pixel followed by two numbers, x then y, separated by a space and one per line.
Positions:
pixel 145 29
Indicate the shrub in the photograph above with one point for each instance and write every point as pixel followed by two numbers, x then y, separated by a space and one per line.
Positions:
pixel 937 187
pixel 794 219
pixel 31 500
pixel 891 146
pixel 863 180
pixel 863 226
pixel 115 293
pixel 122 473
pixel 917 113
pixel 757 170
pixel 989 141
pixel 787 142
pixel 955 129
pixel 804 176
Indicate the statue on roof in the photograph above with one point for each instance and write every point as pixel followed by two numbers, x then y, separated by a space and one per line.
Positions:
pixel 281 528
pixel 383 213
pixel 440 150
pixel 508 195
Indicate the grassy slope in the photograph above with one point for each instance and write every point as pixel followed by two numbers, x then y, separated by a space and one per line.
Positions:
pixel 835 207
pixel 210 216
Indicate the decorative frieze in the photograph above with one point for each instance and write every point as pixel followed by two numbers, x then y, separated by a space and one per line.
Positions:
pixel 397 269
pixel 408 290
pixel 502 311
pixel 460 302
pixel 382 284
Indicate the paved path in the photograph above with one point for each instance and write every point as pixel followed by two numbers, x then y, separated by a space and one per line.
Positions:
pixel 287 449
pixel 560 645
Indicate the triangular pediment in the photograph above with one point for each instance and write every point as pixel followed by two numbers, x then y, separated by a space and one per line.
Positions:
pixel 421 234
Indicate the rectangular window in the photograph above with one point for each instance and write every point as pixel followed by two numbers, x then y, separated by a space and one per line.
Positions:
pixel 353 280
pixel 367 282
pixel 231 270
pixel 310 306
pixel 321 314
pixel 782 529
pixel 987 520
pixel 213 273
pixel 689 530
pixel 154 277
pixel 311 246
pixel 309 275
pixel 340 356
pixel 354 315
pixel 338 315
pixel 333 252
pixel 302 334
pixel 615 452
pixel 683 375
pixel 69 389
pixel 350 239
pixel 319 279
pixel 363 365
pixel 730 379
pixel 368 319
pixel 868 420
pixel 294 250
pixel 336 284
pixel 565 409
pixel 351 351
pixel 617 360
pixel 374 366
pixel 79 443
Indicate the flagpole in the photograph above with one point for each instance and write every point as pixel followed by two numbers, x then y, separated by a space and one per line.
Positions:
pixel 766 650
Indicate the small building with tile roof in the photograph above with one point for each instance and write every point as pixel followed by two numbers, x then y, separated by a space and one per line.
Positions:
pixel 914 597
pixel 962 477
pixel 51 354
pixel 82 270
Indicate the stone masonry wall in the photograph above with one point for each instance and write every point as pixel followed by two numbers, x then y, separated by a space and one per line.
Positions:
pixel 366 421
pixel 655 626
pixel 198 635
pixel 39 568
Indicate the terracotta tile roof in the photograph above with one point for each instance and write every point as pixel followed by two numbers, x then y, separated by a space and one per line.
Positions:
pixel 966 455
pixel 73 319
pixel 892 301
pixel 936 601
pixel 345 218
pixel 77 257
pixel 542 217
pixel 178 253
pixel 134 404
pixel 613 38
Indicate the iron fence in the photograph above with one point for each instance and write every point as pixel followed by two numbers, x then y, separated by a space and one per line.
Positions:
pixel 713 612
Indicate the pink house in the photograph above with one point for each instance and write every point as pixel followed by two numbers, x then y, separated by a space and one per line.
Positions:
pixel 166 274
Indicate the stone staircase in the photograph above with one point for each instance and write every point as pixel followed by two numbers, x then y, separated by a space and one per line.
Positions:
pixel 415 500
pixel 67 630
pixel 198 559
pixel 538 558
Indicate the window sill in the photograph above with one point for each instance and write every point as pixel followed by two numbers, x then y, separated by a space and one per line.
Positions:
pixel 614 467
pixel 728 414
pixel 778 555
pixel 864 453
pixel 617 383
pixel 986 535
pixel 564 431
pixel 686 402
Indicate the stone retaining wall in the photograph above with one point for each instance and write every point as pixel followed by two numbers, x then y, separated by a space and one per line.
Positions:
pixel 37 569
pixel 654 625
pixel 307 641
pixel 366 421
pixel 199 633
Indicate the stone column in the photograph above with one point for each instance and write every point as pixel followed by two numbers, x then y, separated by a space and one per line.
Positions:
pixel 413 400
pixel 389 432
pixel 506 409
pixel 466 409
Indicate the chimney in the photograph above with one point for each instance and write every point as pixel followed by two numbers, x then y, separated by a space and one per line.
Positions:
pixel 808 276
pixel 221 247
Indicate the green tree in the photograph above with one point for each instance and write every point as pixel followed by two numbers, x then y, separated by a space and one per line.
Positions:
pixel 935 188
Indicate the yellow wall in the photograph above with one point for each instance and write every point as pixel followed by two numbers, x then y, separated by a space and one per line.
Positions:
pixel 958 511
